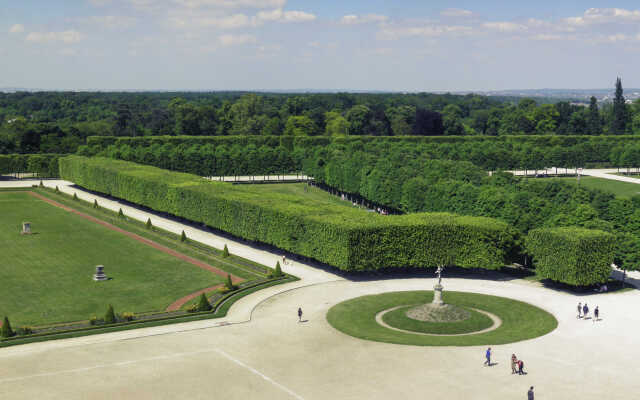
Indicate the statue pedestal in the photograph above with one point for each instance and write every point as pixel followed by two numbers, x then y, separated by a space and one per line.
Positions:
pixel 437 295
pixel 99 275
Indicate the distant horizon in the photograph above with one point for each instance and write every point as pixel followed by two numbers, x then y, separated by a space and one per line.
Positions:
pixel 10 89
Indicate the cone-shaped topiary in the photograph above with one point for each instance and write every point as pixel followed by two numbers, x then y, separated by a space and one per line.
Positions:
pixel 229 284
pixel 6 330
pixel 225 251
pixel 149 226
pixel 120 213
pixel 95 203
pixel 204 305
pixel 57 190
pixel 183 237
pixel 75 196
pixel 278 270
pixel 110 316
pixel 41 184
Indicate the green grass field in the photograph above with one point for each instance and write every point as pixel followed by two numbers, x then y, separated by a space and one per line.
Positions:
pixel 47 277
pixel 476 322
pixel 619 189
pixel 520 321
pixel 297 192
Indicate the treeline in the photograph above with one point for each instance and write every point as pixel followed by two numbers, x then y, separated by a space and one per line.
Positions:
pixel 43 165
pixel 249 155
pixel 60 122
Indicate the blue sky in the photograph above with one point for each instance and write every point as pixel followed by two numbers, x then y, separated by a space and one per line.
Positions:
pixel 303 44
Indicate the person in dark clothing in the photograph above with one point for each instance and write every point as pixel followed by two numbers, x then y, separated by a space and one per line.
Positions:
pixel 530 394
pixel 585 311
pixel 520 367
pixel 299 314
pixel 596 314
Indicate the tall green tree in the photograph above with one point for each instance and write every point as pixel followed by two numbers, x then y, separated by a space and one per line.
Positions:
pixel 594 123
pixel 620 113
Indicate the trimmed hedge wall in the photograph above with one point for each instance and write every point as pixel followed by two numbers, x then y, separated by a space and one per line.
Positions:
pixel 291 142
pixel 44 165
pixel 347 238
pixel 576 256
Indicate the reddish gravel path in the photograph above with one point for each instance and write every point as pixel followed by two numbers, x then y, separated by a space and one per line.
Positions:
pixel 178 303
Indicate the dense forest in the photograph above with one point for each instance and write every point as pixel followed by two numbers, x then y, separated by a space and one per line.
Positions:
pixel 59 122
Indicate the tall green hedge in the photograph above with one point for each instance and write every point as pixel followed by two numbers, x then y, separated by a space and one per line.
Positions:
pixel 290 142
pixel 44 165
pixel 348 238
pixel 576 256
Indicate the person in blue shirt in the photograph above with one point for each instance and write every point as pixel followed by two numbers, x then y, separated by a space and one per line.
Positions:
pixel 488 356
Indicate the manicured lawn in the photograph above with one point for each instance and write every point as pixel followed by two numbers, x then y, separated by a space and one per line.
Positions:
pixel 476 322
pixel 297 193
pixel 620 189
pixel 47 277
pixel 520 321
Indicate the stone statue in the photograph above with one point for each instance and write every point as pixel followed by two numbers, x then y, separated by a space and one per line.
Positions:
pixel 439 273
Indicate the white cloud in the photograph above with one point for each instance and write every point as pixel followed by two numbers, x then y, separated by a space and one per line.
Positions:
pixel 232 3
pixel 100 3
pixel 70 36
pixel 17 28
pixel 297 16
pixel 363 19
pixel 391 32
pixel 605 15
pixel 235 40
pixel 504 26
pixel 110 21
pixel 220 22
pixel 455 12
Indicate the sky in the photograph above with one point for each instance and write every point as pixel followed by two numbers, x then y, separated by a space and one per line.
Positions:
pixel 401 45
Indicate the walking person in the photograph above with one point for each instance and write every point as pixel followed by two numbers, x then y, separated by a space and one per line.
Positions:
pixel 299 314
pixel 596 314
pixel 487 355
pixel 514 363
pixel 579 310
pixel 284 260
pixel 520 367
pixel 585 311
pixel 530 394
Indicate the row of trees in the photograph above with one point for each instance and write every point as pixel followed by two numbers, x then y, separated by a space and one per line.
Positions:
pixel 60 122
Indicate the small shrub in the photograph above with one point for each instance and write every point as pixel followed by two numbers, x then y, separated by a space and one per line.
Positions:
pixel 93 320
pixel 204 305
pixel 192 308
pixel 75 196
pixel 128 316
pixel 225 251
pixel 6 330
pixel 110 316
pixel 278 271
pixel 229 284
pixel 224 290
pixel 120 213
pixel 95 203
pixel 41 184
pixel 25 330
pixel 57 190
pixel 183 237
pixel 148 224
